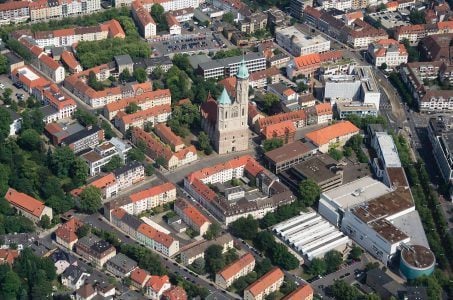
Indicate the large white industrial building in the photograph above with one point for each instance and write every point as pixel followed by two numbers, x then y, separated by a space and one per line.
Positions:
pixel 311 235
pixel 375 216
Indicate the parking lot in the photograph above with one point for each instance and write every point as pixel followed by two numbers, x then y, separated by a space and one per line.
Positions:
pixel 7 83
pixel 186 43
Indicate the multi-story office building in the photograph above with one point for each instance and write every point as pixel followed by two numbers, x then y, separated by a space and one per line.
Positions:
pixel 388 51
pixel 441 137
pixel 297 43
pixel 228 67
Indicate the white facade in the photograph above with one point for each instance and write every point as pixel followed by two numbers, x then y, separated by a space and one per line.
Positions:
pixel 337 4
pixel 298 44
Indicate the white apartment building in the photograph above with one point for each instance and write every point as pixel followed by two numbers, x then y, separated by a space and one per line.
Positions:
pixel 146 24
pixel 343 5
pixel 103 154
pixel 157 114
pixel 14 12
pixel 388 51
pixel 297 43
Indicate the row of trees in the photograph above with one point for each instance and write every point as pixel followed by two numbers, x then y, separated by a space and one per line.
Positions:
pixel 247 229
pixel 30 277
pixel 434 223
pixel 405 94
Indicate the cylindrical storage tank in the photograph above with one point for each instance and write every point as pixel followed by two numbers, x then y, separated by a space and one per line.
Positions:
pixel 416 261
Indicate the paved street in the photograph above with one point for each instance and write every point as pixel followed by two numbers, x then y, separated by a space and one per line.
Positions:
pixel 98 221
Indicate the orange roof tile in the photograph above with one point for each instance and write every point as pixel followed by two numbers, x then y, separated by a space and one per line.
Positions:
pixel 139 276
pixel 231 164
pixel 275 119
pixel 157 282
pixel 25 202
pixel 163 131
pixel 279 129
pixel 191 212
pixel 392 4
pixel 307 60
pixel 49 62
pixel 175 293
pixel 100 183
pixel 67 231
pixel 153 144
pixel 152 191
pixel 142 14
pixel 118 213
pixel 181 154
pixel 330 55
pixel 325 135
pixel 8 256
pixel 203 190
pixel 69 59
pixel 171 20
pixel 115 29
pixel 160 237
pixel 234 268
pixel 265 281
pixel 143 114
pixel 303 292
pixel 253 168
pixel 323 109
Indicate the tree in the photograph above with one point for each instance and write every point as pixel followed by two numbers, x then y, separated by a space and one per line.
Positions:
pixel 157 12
pixel 417 17
pixel 10 285
pixel 272 144
pixel 3 64
pixel 126 75
pixel 83 230
pixel 356 252
pixel 281 257
pixel 114 163
pixel 5 122
pixel 271 296
pixel 245 228
pixel 301 87
pixel 90 199
pixel 85 118
pixel 214 259
pixel 78 171
pixel 140 75
pixel 317 267
pixel 45 222
pixel 264 240
pixel 94 83
pixel 203 141
pixel 228 18
pixel 342 291
pixel 269 101
pixel 309 192
pixel 136 154
pixel 132 108
pixel 213 231
pixel 333 260
pixel 33 119
pixel 108 131
pixel 149 170
pixel 288 286
pixel 7 95
pixel 335 153
pixel 199 265
pixel 160 161
pixel 383 66
pixel 262 267
pixel 157 73
pixel 30 140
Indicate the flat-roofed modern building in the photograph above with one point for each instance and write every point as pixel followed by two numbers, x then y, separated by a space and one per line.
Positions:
pixel 229 66
pixel 348 108
pixel 387 154
pixel 334 203
pixel 322 169
pixel 441 137
pixel 285 157
pixel 298 43
pixel 311 235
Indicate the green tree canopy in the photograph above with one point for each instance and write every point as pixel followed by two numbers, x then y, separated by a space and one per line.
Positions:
pixel 272 144
pixel 5 122
pixel 333 259
pixel 140 75
pixel 309 192
pixel 90 199
pixel 213 231
pixel 317 267
pixel 30 140
pixel 245 228
pixel 114 163
pixel 4 64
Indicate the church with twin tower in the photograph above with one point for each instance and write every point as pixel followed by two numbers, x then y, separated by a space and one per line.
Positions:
pixel 225 120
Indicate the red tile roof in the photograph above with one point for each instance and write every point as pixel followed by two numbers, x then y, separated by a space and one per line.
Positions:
pixel 139 276
pixel 67 231
pixel 139 99
pixel 303 292
pixel 157 282
pixel 323 109
pixel 253 168
pixel 191 212
pixel 175 293
pixel 152 191
pixel 25 202
pixel 171 20
pixel 49 62
pixel 69 59
pixel 160 237
pixel 8 256
pixel 152 143
pixel 142 14
pixel 234 268
pixel 165 132
pixel 275 119
pixel 325 135
pixel 144 114
pixel 231 164
pixel 13 5
pixel 118 213
pixel 181 154
pixel 279 129
pixel 265 281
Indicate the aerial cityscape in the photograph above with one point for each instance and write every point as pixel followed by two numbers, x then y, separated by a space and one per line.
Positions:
pixel 226 149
